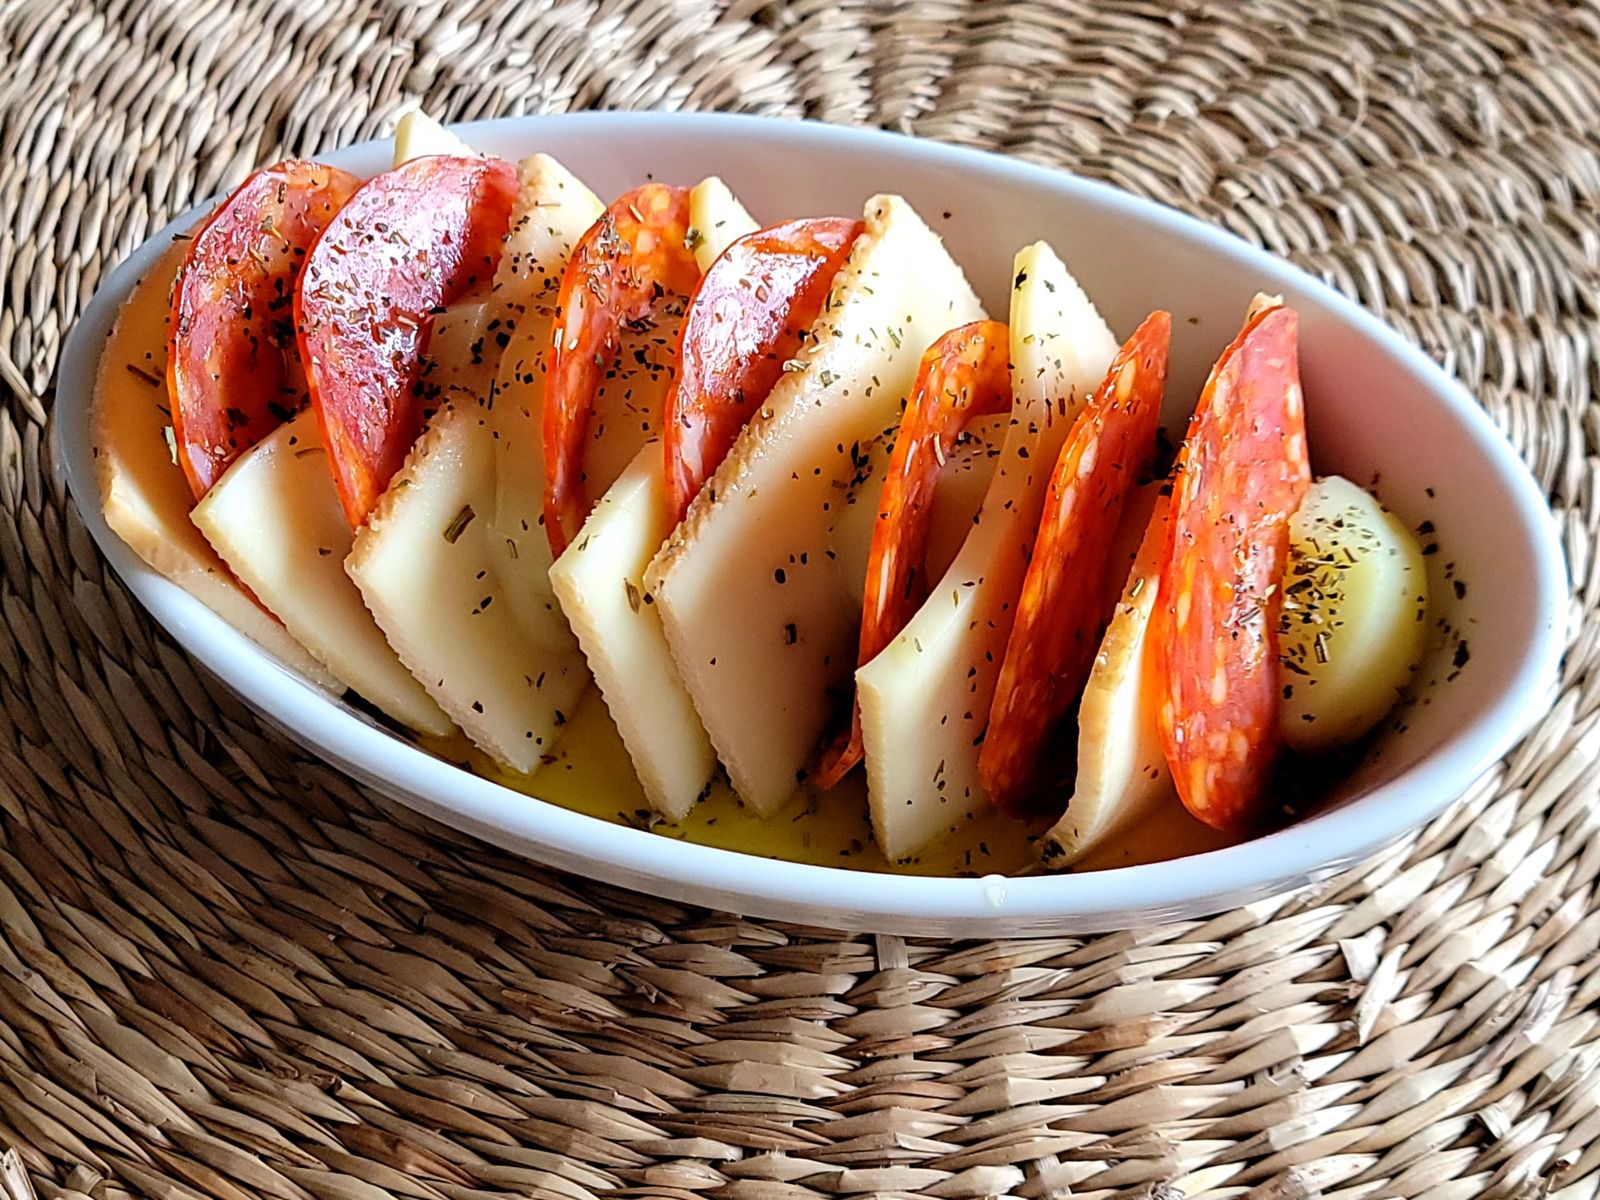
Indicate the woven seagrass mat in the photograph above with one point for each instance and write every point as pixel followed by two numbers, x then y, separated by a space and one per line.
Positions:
pixel 225 971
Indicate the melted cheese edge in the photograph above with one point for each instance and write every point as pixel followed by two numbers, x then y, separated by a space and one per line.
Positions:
pixel 925 699
pixel 762 630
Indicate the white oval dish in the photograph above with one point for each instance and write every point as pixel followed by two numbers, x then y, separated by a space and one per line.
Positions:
pixel 1378 409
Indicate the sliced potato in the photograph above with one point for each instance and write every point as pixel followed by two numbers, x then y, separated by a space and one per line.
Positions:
pixel 1355 616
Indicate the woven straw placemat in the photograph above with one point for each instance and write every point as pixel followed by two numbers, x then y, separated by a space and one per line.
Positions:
pixel 225 971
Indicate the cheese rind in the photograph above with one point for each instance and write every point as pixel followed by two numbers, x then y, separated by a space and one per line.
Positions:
pixel 1122 768
pixel 925 699
pixel 144 496
pixel 275 519
pixel 762 630
pixel 461 523
pixel 600 583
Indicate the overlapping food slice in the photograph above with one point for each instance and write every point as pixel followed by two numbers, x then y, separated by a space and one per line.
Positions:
pixel 233 368
pixel 633 276
pixel 1061 610
pixel 425 235
pixel 925 698
pixel 453 562
pixel 407 241
pixel 1122 774
pixel 1240 477
pixel 276 520
pixel 1189 686
pixel 760 624
pixel 969 455
pixel 266 502
pixel 145 496
pixel 964 378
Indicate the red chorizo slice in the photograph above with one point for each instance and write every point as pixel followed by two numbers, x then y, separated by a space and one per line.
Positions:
pixel 635 257
pixel 745 321
pixel 1062 607
pixel 422 236
pixel 233 368
pixel 1241 475
pixel 964 375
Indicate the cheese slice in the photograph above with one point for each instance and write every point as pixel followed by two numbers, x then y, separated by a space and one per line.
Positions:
pixel 600 583
pixel 275 519
pixel 957 496
pixel 417 135
pixel 925 699
pixel 145 498
pixel 716 218
pixel 454 562
pixel 763 633
pixel 1122 767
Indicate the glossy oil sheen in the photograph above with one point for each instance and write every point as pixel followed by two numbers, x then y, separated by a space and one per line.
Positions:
pixel 1377 409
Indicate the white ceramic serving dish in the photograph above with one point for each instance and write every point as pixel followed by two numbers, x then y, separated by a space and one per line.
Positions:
pixel 1378 409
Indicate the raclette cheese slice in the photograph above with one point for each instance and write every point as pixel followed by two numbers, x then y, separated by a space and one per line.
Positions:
pixel 417 135
pixel 599 580
pixel 1122 766
pixel 275 519
pixel 925 699
pixel 716 220
pixel 762 630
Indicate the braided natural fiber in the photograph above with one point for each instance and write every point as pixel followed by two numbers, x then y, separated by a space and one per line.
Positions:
pixel 226 971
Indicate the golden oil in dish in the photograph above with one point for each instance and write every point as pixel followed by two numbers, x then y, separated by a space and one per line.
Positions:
pixel 589 772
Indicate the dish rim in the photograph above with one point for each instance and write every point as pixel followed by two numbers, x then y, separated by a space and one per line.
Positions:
pixel 763 887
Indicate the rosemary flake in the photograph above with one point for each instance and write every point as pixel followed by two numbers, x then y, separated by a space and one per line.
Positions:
pixel 458 525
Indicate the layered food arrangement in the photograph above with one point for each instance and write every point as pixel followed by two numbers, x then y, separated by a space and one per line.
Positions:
pixel 464 440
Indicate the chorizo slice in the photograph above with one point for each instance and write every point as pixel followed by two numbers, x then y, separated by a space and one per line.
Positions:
pixel 1062 607
pixel 1240 476
pixel 745 321
pixel 413 240
pixel 233 368
pixel 964 375
pixel 635 257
